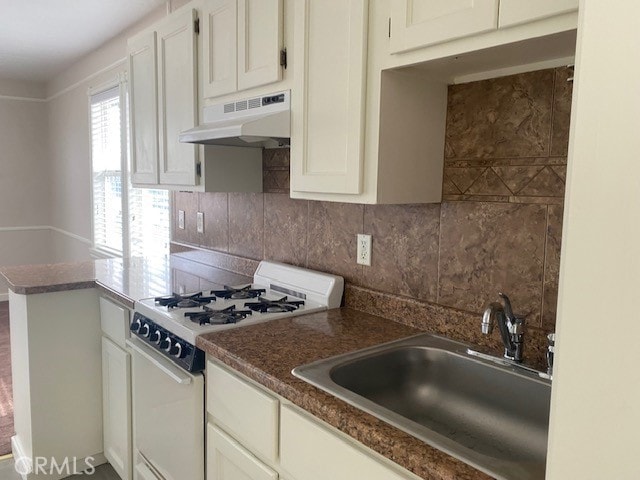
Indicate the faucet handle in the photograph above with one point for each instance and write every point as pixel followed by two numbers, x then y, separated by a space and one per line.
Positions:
pixel 508 311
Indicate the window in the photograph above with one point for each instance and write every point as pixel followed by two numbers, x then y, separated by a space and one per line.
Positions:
pixel 127 221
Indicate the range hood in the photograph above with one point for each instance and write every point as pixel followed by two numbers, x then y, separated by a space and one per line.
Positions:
pixel 259 122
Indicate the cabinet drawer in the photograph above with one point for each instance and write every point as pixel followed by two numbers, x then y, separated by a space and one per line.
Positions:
pixel 310 451
pixel 227 460
pixel 244 411
pixel 114 320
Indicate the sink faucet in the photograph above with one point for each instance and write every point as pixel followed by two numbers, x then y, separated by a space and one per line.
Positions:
pixel 510 326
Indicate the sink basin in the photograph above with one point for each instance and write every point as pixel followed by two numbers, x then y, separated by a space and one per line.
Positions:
pixel 482 410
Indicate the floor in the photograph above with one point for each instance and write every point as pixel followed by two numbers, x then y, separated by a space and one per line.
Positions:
pixel 6 393
pixel 103 472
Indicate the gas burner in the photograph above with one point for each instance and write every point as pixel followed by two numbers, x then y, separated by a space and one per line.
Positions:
pixel 184 301
pixel 209 316
pixel 238 293
pixel 274 306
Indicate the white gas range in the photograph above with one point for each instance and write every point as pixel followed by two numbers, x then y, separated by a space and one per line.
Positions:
pixel 168 383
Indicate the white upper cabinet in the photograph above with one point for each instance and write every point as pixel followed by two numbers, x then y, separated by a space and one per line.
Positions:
pixel 164 102
pixel 327 138
pixel 143 101
pixel 178 99
pixel 242 44
pixel 418 23
pixel 515 12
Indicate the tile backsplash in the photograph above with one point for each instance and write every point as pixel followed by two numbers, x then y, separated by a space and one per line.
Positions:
pixel 497 229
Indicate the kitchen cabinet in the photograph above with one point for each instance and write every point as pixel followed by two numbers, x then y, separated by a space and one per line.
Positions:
pixel 253 434
pixel 242 40
pixel 116 387
pixel 163 102
pixel 515 12
pixel 228 460
pixel 328 157
pixel 327 147
pixel 418 23
pixel 323 454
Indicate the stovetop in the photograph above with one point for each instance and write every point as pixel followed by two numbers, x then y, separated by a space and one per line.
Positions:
pixel 278 291
pixel 190 321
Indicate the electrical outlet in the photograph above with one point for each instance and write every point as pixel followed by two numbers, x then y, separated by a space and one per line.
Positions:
pixel 364 250
pixel 181 219
pixel 200 222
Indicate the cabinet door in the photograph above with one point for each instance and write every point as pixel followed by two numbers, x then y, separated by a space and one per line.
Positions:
pixel 328 107
pixel 515 12
pixel 143 113
pixel 418 23
pixel 259 42
pixel 227 460
pixel 310 451
pixel 177 98
pixel 116 406
pixel 219 30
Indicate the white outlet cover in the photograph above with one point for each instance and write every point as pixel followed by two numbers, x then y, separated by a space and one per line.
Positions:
pixel 200 222
pixel 363 254
pixel 181 219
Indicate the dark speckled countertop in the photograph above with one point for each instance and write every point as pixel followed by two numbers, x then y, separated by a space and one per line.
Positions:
pixel 268 352
pixel 125 280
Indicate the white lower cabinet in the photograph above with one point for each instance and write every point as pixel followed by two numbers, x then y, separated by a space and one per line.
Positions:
pixel 300 447
pixel 116 407
pixel 228 460
pixel 310 451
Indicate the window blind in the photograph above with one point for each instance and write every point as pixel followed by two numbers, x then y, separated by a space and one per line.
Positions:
pixel 134 222
pixel 106 157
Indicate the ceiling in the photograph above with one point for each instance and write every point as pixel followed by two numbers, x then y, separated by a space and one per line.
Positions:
pixel 40 38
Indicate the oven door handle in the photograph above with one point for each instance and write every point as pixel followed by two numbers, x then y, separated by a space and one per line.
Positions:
pixel 174 372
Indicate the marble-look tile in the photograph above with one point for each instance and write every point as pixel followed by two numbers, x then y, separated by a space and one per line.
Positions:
pixel 561 171
pixel 404 253
pixel 552 266
pixel 448 187
pixel 517 177
pixel 285 229
pixel 501 117
pixel 563 91
pixel 187 202
pixel 275 181
pixel 489 184
pixel 487 248
pixel 246 225
pixel 545 184
pixel 215 207
pixel 463 178
pixel 332 238
pixel 275 158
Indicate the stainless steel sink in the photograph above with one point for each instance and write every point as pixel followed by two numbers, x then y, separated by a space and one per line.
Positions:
pixel 486 412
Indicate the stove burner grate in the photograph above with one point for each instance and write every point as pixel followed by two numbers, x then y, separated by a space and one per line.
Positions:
pixel 209 316
pixel 238 293
pixel 184 301
pixel 274 306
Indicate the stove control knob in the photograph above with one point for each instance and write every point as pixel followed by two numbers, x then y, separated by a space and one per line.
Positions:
pixel 175 350
pixel 145 330
pixel 156 337
pixel 166 345
pixel 135 325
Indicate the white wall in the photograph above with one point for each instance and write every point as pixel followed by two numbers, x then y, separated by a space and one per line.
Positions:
pixel 595 415
pixel 45 158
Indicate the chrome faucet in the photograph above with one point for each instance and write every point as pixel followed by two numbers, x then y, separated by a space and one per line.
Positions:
pixel 511 327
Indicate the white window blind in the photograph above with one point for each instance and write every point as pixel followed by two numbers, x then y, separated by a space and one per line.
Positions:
pixel 106 155
pixel 133 222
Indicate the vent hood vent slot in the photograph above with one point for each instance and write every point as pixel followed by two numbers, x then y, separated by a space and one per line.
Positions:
pixel 260 122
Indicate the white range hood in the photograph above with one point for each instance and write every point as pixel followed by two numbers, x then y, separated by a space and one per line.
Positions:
pixel 263 121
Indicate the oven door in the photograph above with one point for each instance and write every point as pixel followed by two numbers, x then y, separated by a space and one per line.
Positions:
pixel 168 417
